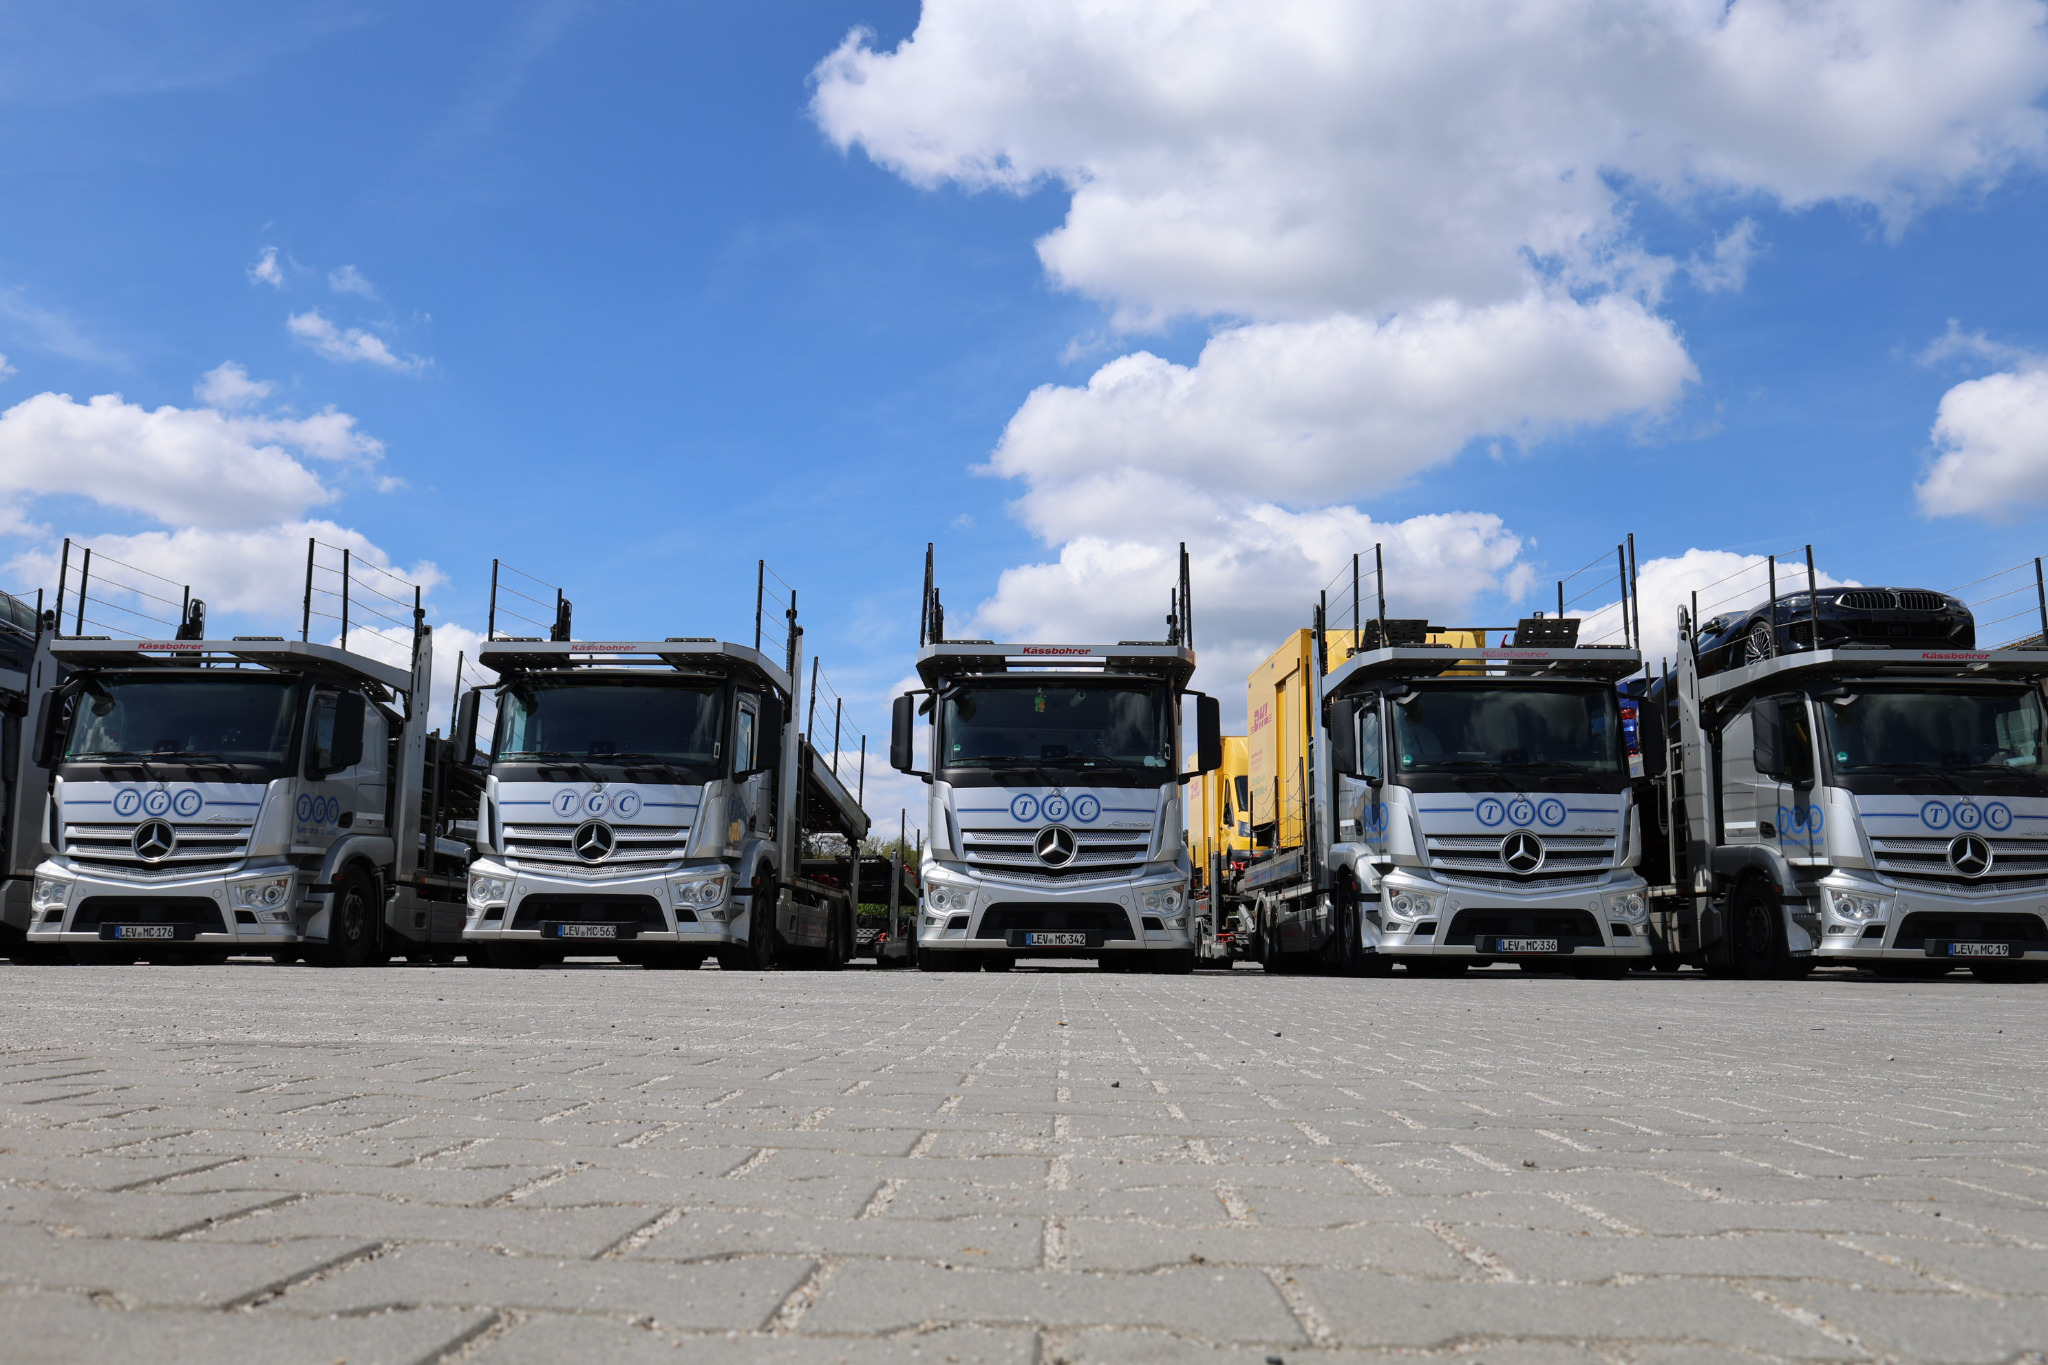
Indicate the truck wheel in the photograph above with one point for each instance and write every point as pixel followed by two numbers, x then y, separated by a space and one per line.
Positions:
pixel 1352 958
pixel 1758 932
pixel 764 940
pixel 352 937
pixel 838 943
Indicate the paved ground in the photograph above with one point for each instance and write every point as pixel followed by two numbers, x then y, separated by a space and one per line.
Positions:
pixel 259 1163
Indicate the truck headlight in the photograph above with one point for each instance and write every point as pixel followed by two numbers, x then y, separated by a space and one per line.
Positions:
pixel 488 891
pixel 1858 908
pixel 50 893
pixel 705 895
pixel 1410 905
pixel 269 897
pixel 1628 905
pixel 1164 901
pixel 948 899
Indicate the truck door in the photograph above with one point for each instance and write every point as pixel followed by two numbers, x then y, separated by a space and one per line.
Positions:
pixel 346 784
pixel 753 799
pixel 1749 799
pixel 1787 763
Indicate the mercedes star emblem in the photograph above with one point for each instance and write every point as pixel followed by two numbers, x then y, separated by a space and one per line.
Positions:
pixel 593 841
pixel 1055 846
pixel 154 840
pixel 1969 855
pixel 1522 852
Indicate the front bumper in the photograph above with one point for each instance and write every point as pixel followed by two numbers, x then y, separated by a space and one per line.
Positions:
pixel 1109 915
pixel 516 921
pixel 198 910
pixel 1922 927
pixel 1470 922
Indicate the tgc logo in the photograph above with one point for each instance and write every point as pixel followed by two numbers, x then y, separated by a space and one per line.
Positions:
pixel 1995 816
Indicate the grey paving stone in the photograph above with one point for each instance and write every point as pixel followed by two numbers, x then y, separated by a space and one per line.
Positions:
pixel 1929 1326
pixel 549 1340
pixel 63 1328
pixel 165 1274
pixel 521 1228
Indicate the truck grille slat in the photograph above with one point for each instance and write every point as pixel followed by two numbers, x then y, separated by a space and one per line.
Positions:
pixel 200 848
pixel 1098 853
pixel 547 849
pixel 1926 858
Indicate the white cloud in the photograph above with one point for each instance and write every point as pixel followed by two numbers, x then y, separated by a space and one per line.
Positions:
pixel 1289 157
pixel 349 344
pixel 1726 266
pixel 349 280
pixel 183 466
pixel 1992 435
pixel 266 270
pixel 5 369
pixel 1956 344
pixel 1338 407
pixel 229 386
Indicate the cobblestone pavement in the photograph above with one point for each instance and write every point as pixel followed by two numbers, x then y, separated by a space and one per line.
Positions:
pixel 260 1163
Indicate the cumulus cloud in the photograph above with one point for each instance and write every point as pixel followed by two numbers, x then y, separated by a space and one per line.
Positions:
pixel 200 467
pixel 1341 406
pixel 1726 264
pixel 349 280
pixel 349 344
pixel 228 385
pixel 266 270
pixel 1289 157
pixel 1992 438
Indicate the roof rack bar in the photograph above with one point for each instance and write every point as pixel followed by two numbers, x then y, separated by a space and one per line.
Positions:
pixel 84 583
pixel 1812 604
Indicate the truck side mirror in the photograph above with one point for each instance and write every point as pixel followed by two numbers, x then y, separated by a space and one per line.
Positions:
pixel 464 728
pixel 1208 734
pixel 347 750
pixel 50 740
pixel 1344 737
pixel 903 734
pixel 1767 720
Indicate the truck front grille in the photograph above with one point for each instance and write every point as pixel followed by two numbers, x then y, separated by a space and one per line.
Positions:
pixel 641 910
pixel 1099 852
pixel 200 848
pixel 1110 921
pixel 94 911
pixel 1916 928
pixel 1576 927
pixel 548 850
pixel 1926 859
pixel 1564 855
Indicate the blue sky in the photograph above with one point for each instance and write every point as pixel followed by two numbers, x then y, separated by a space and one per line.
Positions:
pixel 635 315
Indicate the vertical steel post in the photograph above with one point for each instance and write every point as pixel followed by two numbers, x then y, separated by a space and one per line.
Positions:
pixel 811 716
pixel 838 713
pixel 2041 596
pixel 185 608
pixel 63 572
pixel 491 620
pixel 1379 575
pixel 84 586
pixel 344 596
pixel 1812 604
pixel 1621 582
pixel 306 607
pixel 760 594
pixel 860 794
pixel 1633 595
pixel 1772 561
pixel 1560 599
pixel 1356 627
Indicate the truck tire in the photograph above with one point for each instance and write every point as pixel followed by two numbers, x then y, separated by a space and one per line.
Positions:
pixel 353 937
pixel 1352 957
pixel 764 939
pixel 1756 929
pixel 838 943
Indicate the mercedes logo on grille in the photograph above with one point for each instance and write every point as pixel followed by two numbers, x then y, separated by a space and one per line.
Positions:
pixel 1522 852
pixel 1055 846
pixel 593 841
pixel 1969 855
pixel 154 841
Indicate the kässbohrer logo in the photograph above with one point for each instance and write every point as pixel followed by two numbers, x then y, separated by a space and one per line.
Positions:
pixel 1955 658
pixel 182 646
pixel 1057 649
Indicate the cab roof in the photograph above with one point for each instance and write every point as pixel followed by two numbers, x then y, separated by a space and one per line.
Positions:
pixel 2028 664
pixel 278 655
pixel 1584 663
pixel 1142 658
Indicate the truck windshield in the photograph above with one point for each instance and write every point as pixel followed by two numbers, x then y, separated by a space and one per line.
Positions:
pixel 612 725
pixel 193 722
pixel 1559 735
pixel 1117 729
pixel 1926 740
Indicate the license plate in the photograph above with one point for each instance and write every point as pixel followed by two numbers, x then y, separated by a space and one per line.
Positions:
pixel 1980 950
pixel 589 931
pixel 1527 945
pixel 1053 940
pixel 145 931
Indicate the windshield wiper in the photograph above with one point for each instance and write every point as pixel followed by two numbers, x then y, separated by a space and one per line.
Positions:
pixel 544 755
pixel 633 758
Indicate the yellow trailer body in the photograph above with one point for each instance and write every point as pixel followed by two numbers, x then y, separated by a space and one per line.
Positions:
pixel 1217 819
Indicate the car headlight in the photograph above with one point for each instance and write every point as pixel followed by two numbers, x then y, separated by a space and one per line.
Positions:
pixel 1164 901
pixel 705 895
pixel 1858 908
pixel 269 897
pixel 50 893
pixel 1628 905
pixel 488 891
pixel 948 899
